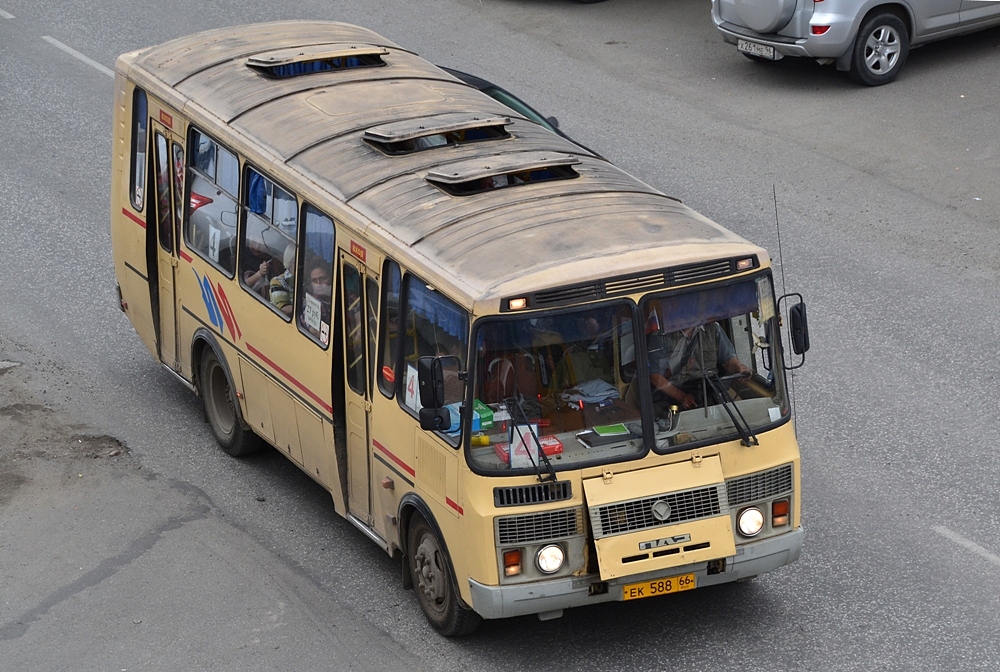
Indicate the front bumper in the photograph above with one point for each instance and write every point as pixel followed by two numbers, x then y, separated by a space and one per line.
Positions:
pixel 558 594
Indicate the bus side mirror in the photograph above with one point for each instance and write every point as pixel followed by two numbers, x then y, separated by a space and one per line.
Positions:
pixel 436 419
pixel 799 328
pixel 430 381
pixel 431 373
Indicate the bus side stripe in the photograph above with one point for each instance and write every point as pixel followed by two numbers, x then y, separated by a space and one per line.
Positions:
pixel 403 465
pixel 392 468
pixel 137 220
pixel 454 505
pixel 312 395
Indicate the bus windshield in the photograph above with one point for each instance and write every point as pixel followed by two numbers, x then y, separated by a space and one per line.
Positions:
pixel 569 387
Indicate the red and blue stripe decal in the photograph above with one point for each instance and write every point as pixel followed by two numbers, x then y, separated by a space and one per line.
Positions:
pixel 220 313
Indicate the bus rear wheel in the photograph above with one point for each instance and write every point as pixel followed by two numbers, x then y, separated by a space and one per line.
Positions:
pixel 222 410
pixel 434 582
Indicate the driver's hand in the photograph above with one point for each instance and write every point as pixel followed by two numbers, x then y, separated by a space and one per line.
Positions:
pixel 688 402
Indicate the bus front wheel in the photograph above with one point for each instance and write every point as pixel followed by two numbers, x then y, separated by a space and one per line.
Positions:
pixel 434 582
pixel 222 410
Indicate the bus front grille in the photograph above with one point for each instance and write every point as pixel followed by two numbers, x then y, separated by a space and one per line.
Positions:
pixel 762 485
pixel 543 526
pixel 537 493
pixel 637 514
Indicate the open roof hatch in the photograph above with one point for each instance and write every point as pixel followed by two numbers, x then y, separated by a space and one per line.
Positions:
pixel 475 176
pixel 414 135
pixel 295 61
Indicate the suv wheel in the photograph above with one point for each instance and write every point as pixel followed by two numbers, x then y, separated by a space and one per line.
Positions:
pixel 880 49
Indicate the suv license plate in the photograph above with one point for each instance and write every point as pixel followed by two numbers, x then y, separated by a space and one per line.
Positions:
pixel 671 584
pixel 754 49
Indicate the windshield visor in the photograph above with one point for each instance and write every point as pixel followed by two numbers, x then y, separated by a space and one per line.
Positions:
pixel 553 387
pixel 714 364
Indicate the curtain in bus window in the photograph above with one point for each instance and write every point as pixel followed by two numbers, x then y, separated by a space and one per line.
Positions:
pixel 683 311
pixel 437 310
pixel 285 215
pixel 228 175
pixel 257 193
pixel 204 153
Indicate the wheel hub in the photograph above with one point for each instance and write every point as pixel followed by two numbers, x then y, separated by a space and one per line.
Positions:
pixel 429 573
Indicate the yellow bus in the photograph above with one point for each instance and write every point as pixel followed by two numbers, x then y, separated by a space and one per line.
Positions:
pixel 536 380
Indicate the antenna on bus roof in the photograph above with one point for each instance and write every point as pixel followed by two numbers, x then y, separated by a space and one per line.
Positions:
pixel 777 227
pixel 781 257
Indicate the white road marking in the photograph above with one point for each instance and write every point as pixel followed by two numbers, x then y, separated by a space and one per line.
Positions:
pixel 966 544
pixel 5 15
pixel 77 55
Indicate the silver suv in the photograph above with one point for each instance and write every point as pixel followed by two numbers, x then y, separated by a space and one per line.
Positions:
pixel 868 38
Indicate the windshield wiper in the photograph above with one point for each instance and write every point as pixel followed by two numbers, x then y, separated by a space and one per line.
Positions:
pixel 515 401
pixel 741 425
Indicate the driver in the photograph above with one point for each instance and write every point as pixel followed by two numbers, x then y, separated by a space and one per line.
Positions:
pixel 685 358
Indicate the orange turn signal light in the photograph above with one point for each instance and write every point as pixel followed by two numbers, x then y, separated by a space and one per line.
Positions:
pixel 779 513
pixel 511 563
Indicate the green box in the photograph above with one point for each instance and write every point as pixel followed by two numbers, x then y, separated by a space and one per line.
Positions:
pixel 485 414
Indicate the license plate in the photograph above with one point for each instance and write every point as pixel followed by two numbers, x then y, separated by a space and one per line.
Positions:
pixel 671 584
pixel 754 49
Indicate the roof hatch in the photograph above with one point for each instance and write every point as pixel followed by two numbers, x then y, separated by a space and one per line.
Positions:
pixel 283 63
pixel 475 176
pixel 414 135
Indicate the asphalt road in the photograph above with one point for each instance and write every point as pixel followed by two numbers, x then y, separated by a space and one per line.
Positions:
pixel 170 555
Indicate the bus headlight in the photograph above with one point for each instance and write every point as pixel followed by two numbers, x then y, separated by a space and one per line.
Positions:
pixel 750 521
pixel 550 559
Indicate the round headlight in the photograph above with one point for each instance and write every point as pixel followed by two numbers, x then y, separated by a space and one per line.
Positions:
pixel 550 559
pixel 750 521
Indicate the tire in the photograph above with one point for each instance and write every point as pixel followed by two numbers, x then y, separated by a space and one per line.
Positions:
pixel 880 49
pixel 434 582
pixel 222 410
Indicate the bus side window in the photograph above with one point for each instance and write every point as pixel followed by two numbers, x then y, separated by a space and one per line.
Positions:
pixel 390 328
pixel 267 244
pixel 316 283
pixel 137 172
pixel 210 228
pixel 434 326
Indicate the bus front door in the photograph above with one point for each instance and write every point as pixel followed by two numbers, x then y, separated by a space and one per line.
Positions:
pixel 358 401
pixel 168 165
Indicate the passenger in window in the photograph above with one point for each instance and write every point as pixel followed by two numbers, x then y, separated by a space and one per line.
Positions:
pixel 316 307
pixel 682 359
pixel 282 287
pixel 257 268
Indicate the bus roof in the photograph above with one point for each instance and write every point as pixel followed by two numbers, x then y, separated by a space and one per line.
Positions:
pixel 486 244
